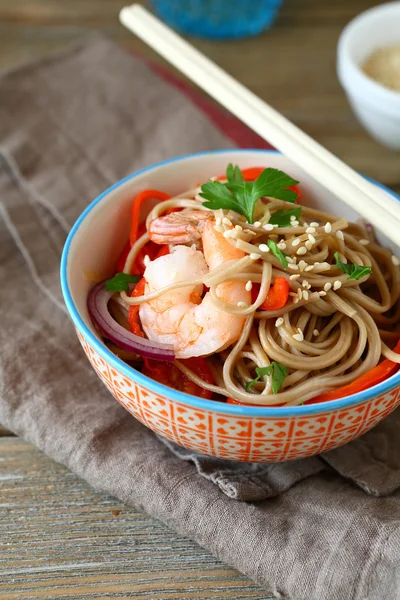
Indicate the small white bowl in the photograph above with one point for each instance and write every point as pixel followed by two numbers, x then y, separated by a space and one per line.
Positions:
pixel 377 107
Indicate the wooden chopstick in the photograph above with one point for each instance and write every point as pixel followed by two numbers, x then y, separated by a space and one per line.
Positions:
pixel 375 205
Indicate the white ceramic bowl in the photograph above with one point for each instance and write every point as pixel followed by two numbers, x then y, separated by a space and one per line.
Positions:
pixel 377 107
pixel 243 433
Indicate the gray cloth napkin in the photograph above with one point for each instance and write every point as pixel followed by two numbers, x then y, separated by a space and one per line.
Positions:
pixel 69 127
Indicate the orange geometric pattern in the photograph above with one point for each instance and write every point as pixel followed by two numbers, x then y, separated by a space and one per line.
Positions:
pixel 233 437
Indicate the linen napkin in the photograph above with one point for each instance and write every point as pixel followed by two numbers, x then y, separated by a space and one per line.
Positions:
pixel 69 127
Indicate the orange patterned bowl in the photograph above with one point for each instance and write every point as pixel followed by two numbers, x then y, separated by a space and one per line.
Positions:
pixel 232 432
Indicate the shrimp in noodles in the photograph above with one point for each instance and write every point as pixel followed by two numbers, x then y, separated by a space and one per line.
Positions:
pixel 194 326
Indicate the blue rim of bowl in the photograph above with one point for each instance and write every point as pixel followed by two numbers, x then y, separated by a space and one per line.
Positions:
pixel 186 399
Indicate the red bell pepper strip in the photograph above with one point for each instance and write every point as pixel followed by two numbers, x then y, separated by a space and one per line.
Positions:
pixel 170 375
pixel 376 375
pixel 136 209
pixel 277 297
pixel 133 312
pixel 119 267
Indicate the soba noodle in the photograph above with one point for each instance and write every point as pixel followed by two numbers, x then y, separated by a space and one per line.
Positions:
pixel 332 330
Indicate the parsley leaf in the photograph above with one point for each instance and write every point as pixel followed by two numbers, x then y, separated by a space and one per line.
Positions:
pixel 353 271
pixel 273 183
pixel 276 370
pixel 241 196
pixel 273 246
pixel 282 217
pixel 234 174
pixel 218 196
pixel 121 282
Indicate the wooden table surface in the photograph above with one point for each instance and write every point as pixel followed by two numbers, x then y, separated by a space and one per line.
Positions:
pixel 58 537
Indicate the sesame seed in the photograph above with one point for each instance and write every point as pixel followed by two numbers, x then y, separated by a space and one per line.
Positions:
pixel 219 228
pixel 315 332
pixel 314 224
pixel 295 301
pixel 328 227
pixel 300 293
pixel 395 260
pixel 292 266
pixel 257 224
pixel 268 227
pixel 364 242
pixel 218 221
pixel 298 336
pixel 311 238
pixel 282 246
pixel 323 266
pixel 292 218
pixel 337 284
pixel 305 283
pixel 290 259
pixel 309 268
pixel 242 304
pixel 264 248
pixel 308 244
pixel 295 276
pixel 302 265
pixel 296 242
pixel 227 221
pixel 310 230
pixel 306 224
pixel 305 295
pixel 302 250
pixel 293 294
pixel 339 235
pixel 279 322
pixel 238 228
pixel 146 260
pixel 294 223
pixel 248 286
pixel 255 256
pixel 327 286
pixel 322 293
pixel 227 234
pixel 250 232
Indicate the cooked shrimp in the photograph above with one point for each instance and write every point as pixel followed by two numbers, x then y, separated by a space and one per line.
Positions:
pixel 194 326
pixel 179 227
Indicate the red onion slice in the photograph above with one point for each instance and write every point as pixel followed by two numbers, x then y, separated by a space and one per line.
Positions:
pixel 98 309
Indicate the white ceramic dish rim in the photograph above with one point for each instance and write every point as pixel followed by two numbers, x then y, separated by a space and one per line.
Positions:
pixel 194 401
pixel 360 80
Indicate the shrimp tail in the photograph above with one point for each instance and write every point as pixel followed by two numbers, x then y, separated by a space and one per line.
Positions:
pixel 178 228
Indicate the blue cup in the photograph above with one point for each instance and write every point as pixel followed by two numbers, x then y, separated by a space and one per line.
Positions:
pixel 218 19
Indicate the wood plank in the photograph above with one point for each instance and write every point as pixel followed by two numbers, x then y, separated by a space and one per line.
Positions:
pixel 4 432
pixel 60 538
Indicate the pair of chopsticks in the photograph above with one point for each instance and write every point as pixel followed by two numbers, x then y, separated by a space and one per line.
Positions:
pixel 375 205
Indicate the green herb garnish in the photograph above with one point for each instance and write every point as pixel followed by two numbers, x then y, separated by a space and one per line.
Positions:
pixel 273 246
pixel 352 270
pixel 241 196
pixel 278 373
pixel 121 282
pixel 282 217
